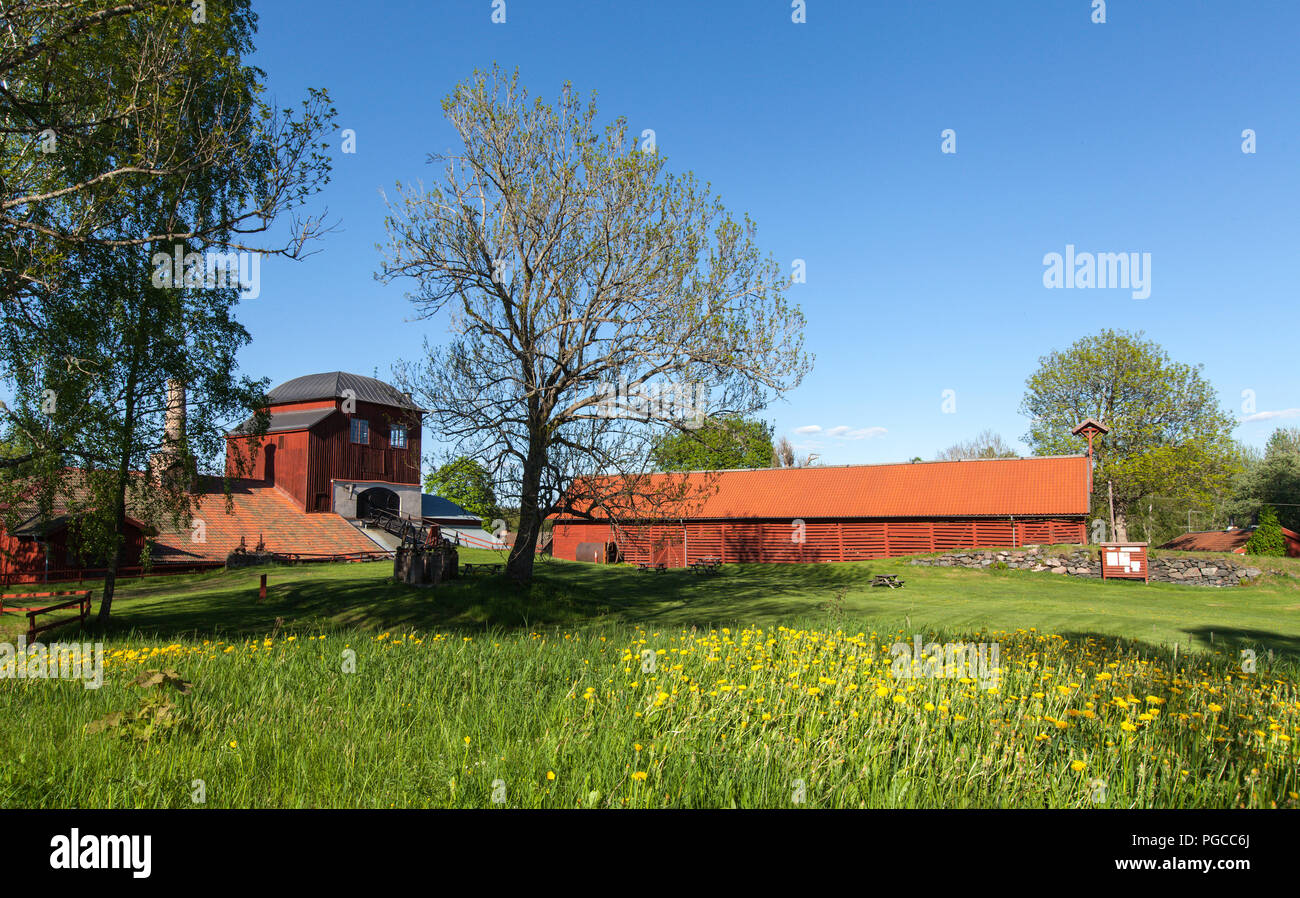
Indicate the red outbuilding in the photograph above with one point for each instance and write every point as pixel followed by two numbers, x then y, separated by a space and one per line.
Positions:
pixel 844 513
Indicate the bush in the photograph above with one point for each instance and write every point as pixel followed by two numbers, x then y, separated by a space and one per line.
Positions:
pixel 1267 538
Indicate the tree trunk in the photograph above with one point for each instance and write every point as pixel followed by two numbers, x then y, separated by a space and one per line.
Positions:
pixel 519 566
pixel 1121 527
pixel 115 557
pixel 119 492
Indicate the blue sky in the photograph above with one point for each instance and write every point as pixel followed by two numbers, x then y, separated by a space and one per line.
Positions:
pixel 924 269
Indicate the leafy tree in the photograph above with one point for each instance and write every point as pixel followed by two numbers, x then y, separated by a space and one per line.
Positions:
pixel 95 345
pixel 102 101
pixel 468 484
pixel 569 260
pixel 1273 479
pixel 1267 538
pixel 720 444
pixel 1168 434
pixel 986 444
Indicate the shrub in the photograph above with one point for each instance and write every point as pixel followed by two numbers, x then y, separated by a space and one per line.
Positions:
pixel 1267 538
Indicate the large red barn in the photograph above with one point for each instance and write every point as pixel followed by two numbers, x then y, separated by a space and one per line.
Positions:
pixel 844 513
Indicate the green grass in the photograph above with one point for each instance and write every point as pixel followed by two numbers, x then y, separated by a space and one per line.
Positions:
pixel 340 598
pixel 365 692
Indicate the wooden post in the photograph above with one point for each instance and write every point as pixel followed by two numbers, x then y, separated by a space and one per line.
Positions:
pixel 261 592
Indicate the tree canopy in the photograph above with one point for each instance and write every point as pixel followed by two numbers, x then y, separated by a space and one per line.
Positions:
pixel 1169 437
pixel 1272 479
pixel 467 483
pixel 720 444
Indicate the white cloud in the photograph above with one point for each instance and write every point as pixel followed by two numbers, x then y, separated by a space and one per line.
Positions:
pixel 1268 416
pixel 844 432
pixel 809 428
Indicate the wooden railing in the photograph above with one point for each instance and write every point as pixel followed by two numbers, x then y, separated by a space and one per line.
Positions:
pixel 81 602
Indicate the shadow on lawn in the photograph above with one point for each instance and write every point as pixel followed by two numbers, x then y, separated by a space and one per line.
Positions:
pixel 562 595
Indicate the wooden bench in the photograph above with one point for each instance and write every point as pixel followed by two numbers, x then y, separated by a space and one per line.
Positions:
pixel 660 566
pixel 890 580
pixel 81 602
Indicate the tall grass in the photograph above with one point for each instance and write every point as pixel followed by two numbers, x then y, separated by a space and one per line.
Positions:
pixel 624 716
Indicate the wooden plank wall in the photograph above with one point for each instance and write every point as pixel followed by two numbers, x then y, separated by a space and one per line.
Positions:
pixel 305 461
pixel 774 542
pixel 333 456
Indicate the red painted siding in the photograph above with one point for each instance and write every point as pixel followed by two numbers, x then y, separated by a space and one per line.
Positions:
pixel 774 541
pixel 23 560
pixel 333 455
pixel 304 462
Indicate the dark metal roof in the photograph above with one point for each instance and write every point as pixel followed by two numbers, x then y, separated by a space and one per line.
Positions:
pixel 331 386
pixel 282 421
pixel 438 507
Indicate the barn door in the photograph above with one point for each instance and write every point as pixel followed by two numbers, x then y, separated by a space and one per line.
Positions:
pixel 668 547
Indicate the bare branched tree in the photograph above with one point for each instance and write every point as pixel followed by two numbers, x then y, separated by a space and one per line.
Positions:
pixel 593 300
pixel 986 444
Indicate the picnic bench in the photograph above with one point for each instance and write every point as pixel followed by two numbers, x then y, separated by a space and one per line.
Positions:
pixel 890 580
pixel 491 567
pixel 706 564
pixel 81 602
pixel 660 566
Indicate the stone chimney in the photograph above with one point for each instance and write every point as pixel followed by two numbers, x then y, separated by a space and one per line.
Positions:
pixel 167 462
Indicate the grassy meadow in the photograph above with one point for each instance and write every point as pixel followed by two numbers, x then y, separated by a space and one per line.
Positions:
pixel 609 687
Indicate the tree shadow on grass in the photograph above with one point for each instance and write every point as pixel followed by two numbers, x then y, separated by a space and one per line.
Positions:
pixel 562 595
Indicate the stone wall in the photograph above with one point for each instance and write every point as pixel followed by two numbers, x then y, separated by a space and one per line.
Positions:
pixel 1086 563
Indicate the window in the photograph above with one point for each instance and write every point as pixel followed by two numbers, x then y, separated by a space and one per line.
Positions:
pixel 361 431
pixel 397 437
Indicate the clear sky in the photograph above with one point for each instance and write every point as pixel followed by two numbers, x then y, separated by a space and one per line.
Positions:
pixel 924 269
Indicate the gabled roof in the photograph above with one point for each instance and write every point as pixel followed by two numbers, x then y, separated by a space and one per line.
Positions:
pixel 1053 485
pixel 331 385
pixel 285 421
pixel 1088 424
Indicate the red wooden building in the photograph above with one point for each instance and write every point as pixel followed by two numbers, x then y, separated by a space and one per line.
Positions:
pixel 38 549
pixel 845 513
pixel 337 442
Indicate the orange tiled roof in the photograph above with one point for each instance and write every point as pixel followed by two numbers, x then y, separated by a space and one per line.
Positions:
pixel 260 510
pixel 1055 485
pixel 1223 540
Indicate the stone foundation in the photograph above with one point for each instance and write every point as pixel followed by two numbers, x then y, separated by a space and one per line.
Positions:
pixel 1085 563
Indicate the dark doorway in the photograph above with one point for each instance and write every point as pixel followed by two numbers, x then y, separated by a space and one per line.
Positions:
pixel 270 464
pixel 377 497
